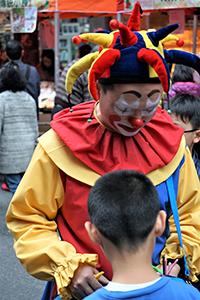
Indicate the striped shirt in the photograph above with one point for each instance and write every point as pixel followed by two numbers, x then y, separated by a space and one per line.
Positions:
pixel 79 93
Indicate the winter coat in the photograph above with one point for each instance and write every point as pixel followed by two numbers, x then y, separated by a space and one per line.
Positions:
pixel 183 88
pixel 18 131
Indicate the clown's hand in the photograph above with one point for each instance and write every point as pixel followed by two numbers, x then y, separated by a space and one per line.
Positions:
pixel 84 283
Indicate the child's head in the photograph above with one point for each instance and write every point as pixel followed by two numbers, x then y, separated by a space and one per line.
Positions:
pixel 123 206
pixel 185 110
pixel 182 74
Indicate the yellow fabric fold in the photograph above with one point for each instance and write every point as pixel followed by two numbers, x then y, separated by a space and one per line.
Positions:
pixel 188 203
pixel 66 268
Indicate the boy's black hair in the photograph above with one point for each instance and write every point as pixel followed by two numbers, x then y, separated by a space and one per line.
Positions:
pixel 11 78
pixel 124 205
pixel 182 74
pixel 14 50
pixel 187 106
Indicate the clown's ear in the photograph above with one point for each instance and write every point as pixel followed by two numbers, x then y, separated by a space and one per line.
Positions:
pixel 78 68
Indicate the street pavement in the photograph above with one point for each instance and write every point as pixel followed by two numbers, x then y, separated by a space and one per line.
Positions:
pixel 15 282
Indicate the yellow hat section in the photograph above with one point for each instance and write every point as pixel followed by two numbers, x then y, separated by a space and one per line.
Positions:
pixel 78 68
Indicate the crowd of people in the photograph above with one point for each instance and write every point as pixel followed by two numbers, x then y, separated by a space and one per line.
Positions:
pixel 106 204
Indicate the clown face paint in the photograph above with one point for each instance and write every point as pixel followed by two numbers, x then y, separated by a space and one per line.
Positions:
pixel 118 107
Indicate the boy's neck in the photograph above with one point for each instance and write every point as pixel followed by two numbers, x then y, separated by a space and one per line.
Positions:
pixel 132 267
pixel 133 270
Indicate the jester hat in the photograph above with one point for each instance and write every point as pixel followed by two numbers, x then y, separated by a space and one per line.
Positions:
pixel 129 55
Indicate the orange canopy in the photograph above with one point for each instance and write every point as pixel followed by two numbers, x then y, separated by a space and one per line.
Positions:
pixel 69 9
pixel 80 8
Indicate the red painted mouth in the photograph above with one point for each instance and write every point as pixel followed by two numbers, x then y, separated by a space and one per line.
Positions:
pixel 128 129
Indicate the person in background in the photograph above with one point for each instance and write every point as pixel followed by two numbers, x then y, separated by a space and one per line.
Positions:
pixel 18 125
pixel 3 57
pixel 46 67
pixel 183 82
pixel 121 128
pixel 14 52
pixel 80 91
pixel 185 113
pixel 130 199
pixel 29 42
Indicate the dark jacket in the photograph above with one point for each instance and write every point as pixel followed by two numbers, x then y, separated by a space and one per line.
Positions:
pixel 33 84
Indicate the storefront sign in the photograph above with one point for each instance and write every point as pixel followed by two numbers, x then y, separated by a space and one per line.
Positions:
pixel 5 20
pixel 41 4
pixel 24 19
pixel 161 4
pixel 177 16
pixel 145 4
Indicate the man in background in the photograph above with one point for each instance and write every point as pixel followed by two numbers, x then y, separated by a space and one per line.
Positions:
pixel 14 52
pixel 80 91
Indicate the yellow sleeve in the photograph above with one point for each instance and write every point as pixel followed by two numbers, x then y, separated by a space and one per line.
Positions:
pixel 188 203
pixel 31 220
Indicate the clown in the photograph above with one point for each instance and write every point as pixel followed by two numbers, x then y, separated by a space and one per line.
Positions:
pixel 122 128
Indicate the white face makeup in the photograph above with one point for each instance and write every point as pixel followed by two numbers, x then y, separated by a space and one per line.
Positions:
pixel 123 108
pixel 127 102
pixel 129 109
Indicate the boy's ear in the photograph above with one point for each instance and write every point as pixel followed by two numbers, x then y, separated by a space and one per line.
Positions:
pixel 93 233
pixel 160 223
pixel 22 55
pixel 197 136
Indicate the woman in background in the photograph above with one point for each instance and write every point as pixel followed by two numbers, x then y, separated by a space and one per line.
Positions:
pixel 18 125
pixel 46 67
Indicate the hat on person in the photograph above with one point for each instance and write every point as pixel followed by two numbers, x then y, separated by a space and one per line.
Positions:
pixel 130 55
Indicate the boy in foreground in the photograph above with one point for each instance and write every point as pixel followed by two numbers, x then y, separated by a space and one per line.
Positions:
pixel 123 207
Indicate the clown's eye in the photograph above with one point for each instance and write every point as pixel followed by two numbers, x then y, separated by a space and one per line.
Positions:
pixel 123 110
pixel 149 110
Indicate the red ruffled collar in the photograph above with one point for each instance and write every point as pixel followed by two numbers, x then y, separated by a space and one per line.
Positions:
pixel 153 147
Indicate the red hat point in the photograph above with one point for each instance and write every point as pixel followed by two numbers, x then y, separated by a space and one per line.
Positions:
pixel 180 43
pixel 76 40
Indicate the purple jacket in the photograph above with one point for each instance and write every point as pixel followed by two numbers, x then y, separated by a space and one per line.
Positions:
pixel 183 88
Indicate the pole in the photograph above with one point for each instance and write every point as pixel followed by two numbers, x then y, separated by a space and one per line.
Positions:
pixel 57 60
pixel 195 21
pixel 119 17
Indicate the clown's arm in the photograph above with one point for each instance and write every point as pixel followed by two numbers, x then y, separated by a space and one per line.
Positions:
pixel 188 202
pixel 31 220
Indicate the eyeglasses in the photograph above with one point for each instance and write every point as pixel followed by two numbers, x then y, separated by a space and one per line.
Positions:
pixel 192 130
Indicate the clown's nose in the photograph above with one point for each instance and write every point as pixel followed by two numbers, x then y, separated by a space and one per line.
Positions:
pixel 136 122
